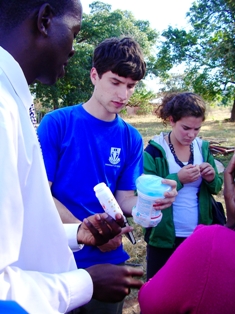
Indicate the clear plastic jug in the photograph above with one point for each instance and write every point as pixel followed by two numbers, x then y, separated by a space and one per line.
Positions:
pixel 149 189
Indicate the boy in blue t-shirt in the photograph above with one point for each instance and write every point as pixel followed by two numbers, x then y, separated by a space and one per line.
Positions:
pixel 89 143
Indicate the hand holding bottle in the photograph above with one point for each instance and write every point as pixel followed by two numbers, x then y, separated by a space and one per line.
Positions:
pixel 111 206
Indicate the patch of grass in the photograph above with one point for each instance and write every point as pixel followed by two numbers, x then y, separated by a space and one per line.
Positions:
pixel 215 127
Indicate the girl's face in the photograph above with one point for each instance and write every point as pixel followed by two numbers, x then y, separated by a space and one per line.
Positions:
pixel 186 129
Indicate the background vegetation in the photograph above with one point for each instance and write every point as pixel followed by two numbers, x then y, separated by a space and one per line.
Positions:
pixel 207 49
pixel 100 24
pixel 205 53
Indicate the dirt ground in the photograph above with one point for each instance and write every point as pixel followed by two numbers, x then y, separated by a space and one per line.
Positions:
pixel 131 306
pixel 137 253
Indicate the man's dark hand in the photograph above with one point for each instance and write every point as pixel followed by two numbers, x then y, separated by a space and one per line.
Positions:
pixel 98 229
pixel 112 283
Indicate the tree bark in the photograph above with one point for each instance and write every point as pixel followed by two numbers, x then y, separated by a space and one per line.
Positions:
pixel 232 117
pixel 55 104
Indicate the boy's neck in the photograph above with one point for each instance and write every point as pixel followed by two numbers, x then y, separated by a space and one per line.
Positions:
pixel 98 111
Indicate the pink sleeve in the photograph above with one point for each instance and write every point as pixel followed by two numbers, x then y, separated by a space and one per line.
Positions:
pixel 178 286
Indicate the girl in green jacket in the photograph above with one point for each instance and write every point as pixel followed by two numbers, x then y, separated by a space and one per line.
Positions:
pixel 180 155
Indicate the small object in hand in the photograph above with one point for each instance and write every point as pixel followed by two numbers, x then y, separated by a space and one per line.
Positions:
pixel 110 205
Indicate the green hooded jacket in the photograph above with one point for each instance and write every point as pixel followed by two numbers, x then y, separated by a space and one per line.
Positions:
pixel 155 162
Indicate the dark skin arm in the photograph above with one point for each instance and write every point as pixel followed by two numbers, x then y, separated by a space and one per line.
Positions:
pixel 93 230
pixel 112 283
pixel 98 229
pixel 229 192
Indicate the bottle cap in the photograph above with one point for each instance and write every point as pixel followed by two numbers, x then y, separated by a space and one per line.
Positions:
pixel 151 185
pixel 99 186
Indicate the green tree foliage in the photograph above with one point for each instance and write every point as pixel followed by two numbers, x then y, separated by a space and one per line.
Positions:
pixel 74 87
pixel 207 50
pixel 142 98
pixel 175 82
pixel 101 23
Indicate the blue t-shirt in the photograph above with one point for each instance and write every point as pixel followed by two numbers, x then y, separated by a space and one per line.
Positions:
pixel 11 307
pixel 81 151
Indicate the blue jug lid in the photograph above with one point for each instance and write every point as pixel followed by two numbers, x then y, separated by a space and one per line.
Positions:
pixel 151 185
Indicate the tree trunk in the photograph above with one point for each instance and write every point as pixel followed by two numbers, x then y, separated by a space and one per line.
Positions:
pixel 55 104
pixel 232 117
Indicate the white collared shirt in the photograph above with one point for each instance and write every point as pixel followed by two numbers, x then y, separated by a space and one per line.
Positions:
pixel 37 268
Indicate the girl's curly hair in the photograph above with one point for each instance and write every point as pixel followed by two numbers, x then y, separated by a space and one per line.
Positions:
pixel 179 105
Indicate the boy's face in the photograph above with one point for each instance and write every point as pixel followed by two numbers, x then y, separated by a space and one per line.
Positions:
pixel 112 91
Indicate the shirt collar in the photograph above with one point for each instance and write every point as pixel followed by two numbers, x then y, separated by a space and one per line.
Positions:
pixel 15 75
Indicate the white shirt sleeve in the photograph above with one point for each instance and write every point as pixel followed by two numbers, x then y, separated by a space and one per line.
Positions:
pixel 71 231
pixel 46 293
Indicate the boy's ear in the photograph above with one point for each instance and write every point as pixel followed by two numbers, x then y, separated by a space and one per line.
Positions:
pixel 44 18
pixel 93 75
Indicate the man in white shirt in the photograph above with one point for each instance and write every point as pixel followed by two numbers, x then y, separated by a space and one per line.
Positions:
pixel 37 268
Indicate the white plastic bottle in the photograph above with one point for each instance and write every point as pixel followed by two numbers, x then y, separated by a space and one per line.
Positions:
pixel 107 200
pixel 110 205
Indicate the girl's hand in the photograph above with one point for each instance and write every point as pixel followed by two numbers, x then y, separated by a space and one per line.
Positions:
pixel 207 171
pixel 169 196
pixel 189 173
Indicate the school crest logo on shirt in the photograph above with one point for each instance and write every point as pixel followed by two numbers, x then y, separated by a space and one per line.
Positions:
pixel 114 155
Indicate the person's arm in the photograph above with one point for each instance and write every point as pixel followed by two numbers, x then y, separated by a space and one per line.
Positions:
pixel 113 282
pixel 65 214
pixel 98 229
pixel 46 292
pixel 127 199
pixel 63 291
pixel 66 291
pixel 229 192
pixel 179 285
pixel 86 237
